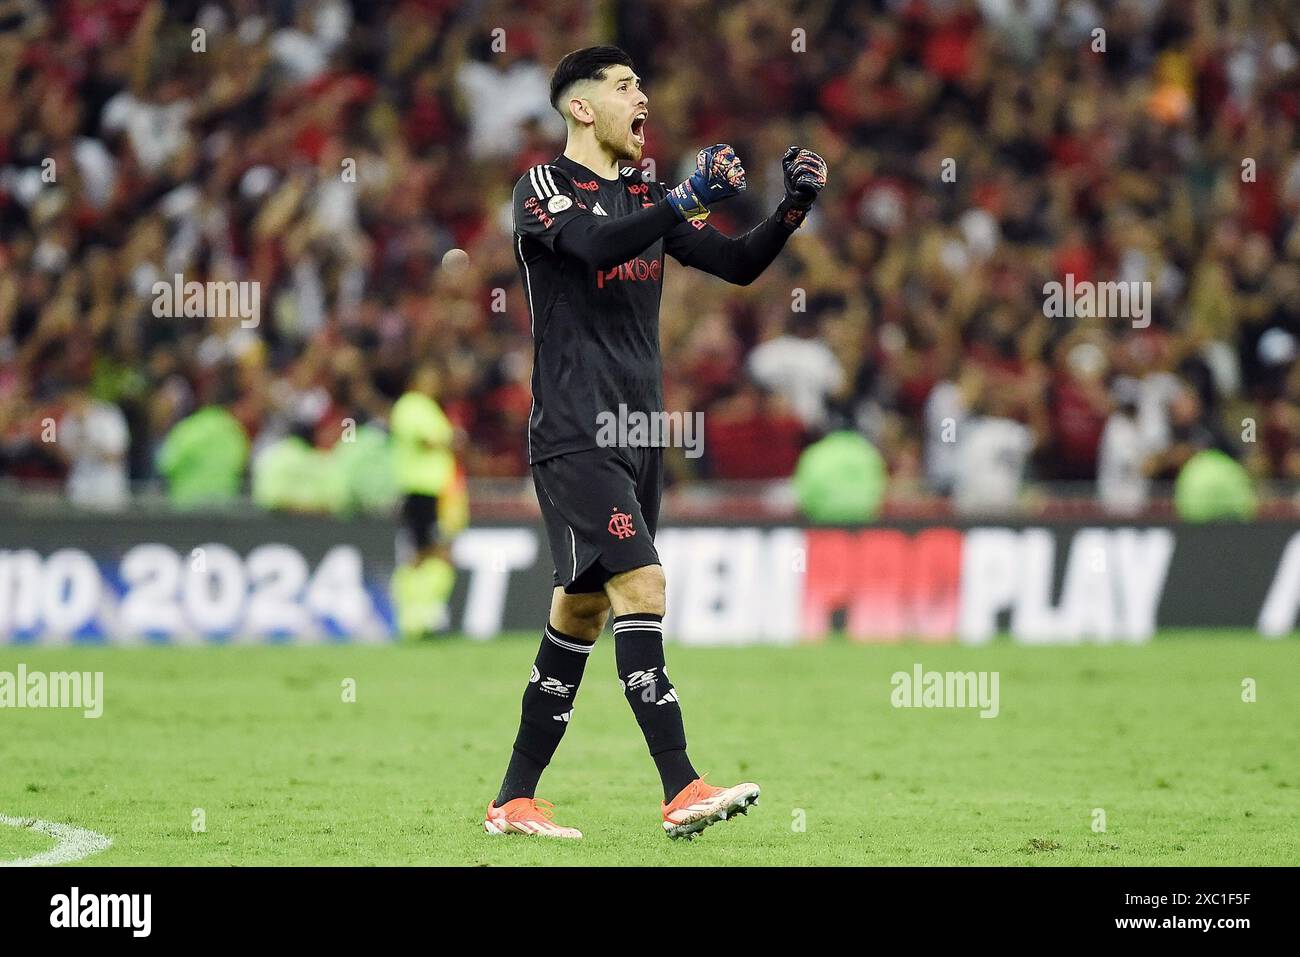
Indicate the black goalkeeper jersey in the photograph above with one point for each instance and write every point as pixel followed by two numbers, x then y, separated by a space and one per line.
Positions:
pixel 595 331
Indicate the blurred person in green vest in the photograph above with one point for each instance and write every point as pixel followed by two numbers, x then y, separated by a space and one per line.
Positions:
pixel 1212 487
pixel 204 454
pixel 292 475
pixel 363 459
pixel 433 503
pixel 840 480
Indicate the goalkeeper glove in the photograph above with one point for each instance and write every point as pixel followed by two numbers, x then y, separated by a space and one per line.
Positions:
pixel 805 175
pixel 718 174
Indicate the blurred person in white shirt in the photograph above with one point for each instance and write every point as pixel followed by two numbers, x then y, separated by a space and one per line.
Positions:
pixel 93 437
pixel 500 95
pixel 992 453
pixel 1122 483
pixel 799 366
pixel 946 409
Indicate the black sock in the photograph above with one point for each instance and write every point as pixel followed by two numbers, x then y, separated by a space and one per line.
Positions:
pixel 547 708
pixel 675 770
pixel 639 654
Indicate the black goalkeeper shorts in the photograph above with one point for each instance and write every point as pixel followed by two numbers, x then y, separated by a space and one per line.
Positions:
pixel 601 509
pixel 419 522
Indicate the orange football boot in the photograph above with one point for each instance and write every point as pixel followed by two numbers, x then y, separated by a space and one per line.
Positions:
pixel 531 816
pixel 698 805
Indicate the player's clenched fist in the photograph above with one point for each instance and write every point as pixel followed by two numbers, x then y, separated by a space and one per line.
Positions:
pixel 804 174
pixel 718 174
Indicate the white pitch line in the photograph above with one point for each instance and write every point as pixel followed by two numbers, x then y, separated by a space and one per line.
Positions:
pixel 74 843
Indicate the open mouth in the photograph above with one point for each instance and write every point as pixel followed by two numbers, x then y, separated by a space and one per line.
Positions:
pixel 638 128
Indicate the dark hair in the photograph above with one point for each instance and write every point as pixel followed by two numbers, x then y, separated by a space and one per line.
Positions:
pixel 589 63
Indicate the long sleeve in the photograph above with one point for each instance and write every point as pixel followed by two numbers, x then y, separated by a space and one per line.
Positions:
pixel 739 259
pixel 603 244
pixel 549 210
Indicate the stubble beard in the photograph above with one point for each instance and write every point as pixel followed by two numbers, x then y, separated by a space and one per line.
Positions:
pixel 618 141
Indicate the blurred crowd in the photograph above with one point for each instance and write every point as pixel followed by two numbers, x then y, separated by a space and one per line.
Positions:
pixel 335 152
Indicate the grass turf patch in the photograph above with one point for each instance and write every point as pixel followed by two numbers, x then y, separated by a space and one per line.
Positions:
pixel 259 744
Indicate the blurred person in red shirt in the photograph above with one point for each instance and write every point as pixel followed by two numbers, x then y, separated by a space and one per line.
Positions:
pixel 752 434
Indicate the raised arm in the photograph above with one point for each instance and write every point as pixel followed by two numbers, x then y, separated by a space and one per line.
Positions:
pixel 739 259
pixel 603 243
pixel 548 208
pixel 742 259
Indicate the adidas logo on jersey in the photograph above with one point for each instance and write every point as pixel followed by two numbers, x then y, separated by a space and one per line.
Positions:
pixel 670 696
pixel 566 717
pixel 598 210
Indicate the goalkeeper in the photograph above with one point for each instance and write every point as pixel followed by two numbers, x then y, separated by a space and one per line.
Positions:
pixel 590 239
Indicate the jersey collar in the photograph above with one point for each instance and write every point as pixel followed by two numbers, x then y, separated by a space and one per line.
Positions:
pixel 576 167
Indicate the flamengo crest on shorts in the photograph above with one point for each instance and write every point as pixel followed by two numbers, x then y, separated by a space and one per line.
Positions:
pixel 620 524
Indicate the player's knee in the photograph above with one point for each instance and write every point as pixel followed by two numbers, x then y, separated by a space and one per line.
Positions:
pixel 640 590
pixel 582 616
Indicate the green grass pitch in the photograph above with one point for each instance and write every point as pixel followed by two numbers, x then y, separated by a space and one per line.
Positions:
pixel 286 772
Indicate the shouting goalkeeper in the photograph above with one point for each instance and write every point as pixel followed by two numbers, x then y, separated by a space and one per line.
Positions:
pixel 590 238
